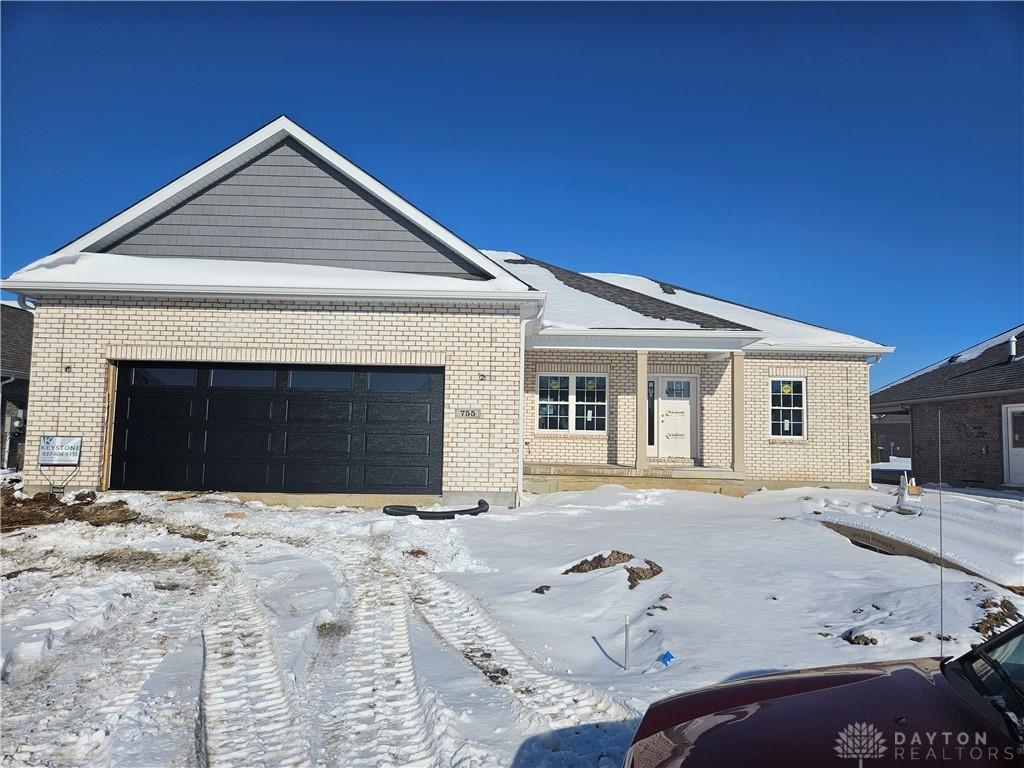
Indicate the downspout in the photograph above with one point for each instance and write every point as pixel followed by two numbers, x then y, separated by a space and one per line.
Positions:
pixel 7 432
pixel 522 397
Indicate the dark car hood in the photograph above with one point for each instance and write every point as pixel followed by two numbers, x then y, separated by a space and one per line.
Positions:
pixel 794 719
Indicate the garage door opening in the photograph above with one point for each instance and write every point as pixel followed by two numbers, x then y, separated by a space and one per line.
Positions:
pixel 280 428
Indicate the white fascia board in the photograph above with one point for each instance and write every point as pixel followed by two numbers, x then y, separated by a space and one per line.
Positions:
pixel 329 155
pixel 867 349
pixel 31 289
pixel 633 339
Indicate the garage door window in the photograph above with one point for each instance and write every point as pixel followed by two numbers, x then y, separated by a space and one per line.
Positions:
pixel 246 378
pixel 331 380
pixel 163 377
pixel 398 382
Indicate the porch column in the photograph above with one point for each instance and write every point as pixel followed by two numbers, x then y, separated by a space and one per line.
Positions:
pixel 738 460
pixel 641 409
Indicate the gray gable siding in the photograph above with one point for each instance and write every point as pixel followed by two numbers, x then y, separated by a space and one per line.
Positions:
pixel 287 206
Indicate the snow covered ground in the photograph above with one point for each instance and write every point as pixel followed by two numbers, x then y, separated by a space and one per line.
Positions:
pixel 983 531
pixel 897 463
pixel 236 634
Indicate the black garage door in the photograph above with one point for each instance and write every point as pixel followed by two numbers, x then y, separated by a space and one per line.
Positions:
pixel 312 429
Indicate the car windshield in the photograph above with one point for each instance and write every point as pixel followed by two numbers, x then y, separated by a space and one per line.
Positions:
pixel 1000 667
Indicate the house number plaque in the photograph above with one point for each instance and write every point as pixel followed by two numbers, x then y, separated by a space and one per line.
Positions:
pixel 467 413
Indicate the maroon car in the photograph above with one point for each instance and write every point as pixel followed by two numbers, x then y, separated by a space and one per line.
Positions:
pixel 965 711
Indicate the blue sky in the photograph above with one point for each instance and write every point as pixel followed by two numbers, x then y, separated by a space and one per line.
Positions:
pixel 855 166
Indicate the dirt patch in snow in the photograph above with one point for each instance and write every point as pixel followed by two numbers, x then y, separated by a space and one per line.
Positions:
pixel 543 588
pixel 44 509
pixel 416 552
pixel 642 573
pixel 853 639
pixel 998 614
pixel 128 559
pixel 615 557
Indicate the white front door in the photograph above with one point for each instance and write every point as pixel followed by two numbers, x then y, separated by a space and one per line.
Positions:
pixel 676 417
pixel 1013 443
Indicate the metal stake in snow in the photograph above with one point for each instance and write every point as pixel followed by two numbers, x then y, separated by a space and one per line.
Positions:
pixel 942 633
pixel 625 655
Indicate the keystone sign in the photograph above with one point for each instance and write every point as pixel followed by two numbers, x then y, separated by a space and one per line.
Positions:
pixel 59 451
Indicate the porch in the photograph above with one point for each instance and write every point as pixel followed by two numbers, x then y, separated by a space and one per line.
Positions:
pixel 639 418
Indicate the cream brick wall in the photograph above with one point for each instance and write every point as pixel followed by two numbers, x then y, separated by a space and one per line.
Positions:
pixel 835 450
pixel 837 445
pixel 618 444
pixel 477 344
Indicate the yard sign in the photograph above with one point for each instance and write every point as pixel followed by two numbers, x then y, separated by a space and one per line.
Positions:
pixel 59 451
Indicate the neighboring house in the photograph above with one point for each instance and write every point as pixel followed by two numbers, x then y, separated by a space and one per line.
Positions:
pixel 15 361
pixel 979 395
pixel 278 320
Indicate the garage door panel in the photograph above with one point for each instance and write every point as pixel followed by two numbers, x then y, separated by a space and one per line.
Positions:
pixel 317 410
pixel 142 409
pixel 234 474
pixel 401 477
pixel 278 428
pixel 418 413
pixel 318 443
pixel 157 475
pixel 158 441
pixel 237 442
pixel 397 444
pixel 326 476
pixel 239 408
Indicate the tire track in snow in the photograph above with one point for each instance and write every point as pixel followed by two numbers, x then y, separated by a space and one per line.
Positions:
pixel 246 718
pixel 463 624
pixel 386 719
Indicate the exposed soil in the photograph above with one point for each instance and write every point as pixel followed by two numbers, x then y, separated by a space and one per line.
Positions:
pixel 416 552
pixel 918 638
pixel 44 509
pixel 615 557
pixel 638 573
pixel 998 613
pixel 542 589
pixel 853 639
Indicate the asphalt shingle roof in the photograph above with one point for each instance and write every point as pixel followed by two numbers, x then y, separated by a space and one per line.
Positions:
pixel 634 300
pixel 991 371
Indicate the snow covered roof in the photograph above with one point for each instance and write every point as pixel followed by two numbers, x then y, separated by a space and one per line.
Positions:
pixel 604 301
pixel 985 367
pixel 117 273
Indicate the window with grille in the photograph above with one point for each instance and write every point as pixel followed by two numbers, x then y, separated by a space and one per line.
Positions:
pixel 572 402
pixel 788 407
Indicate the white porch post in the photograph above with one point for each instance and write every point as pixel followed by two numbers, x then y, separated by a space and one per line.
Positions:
pixel 738 459
pixel 641 409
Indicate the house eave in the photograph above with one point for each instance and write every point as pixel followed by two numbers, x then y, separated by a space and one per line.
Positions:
pixel 33 289
pixel 827 348
pixel 669 340
pixel 902 403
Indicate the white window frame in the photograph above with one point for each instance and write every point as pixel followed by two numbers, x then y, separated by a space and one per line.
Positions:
pixel 572 403
pixel 803 408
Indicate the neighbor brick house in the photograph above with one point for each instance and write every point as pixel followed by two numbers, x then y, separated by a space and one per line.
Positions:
pixel 979 395
pixel 276 320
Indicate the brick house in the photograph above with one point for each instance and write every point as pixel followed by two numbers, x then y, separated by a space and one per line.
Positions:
pixel 979 394
pixel 276 320
pixel 15 361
